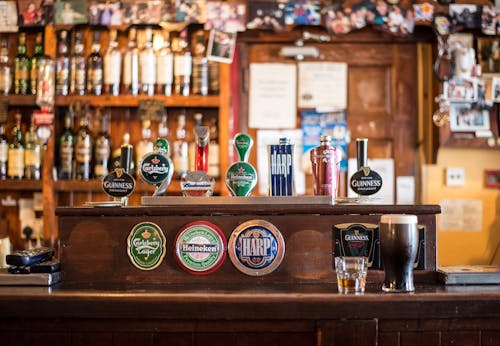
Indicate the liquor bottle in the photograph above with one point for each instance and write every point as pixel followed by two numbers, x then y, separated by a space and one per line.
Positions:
pixel 112 66
pixel 94 67
pixel 182 65
pixel 22 65
pixel 32 153
pixel 131 65
pixel 145 145
pixel 4 149
pixel 66 148
pixel 102 149
pixel 198 119
pixel 213 77
pixel 200 64
pixel 163 127
pixel 62 64
pixel 147 60
pixel 78 67
pixel 213 149
pixel 5 68
pixel 15 159
pixel 180 152
pixel 325 160
pixel 35 62
pixel 165 68
pixel 83 149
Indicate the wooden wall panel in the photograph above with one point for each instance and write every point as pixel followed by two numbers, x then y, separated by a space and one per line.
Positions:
pixel 419 339
pixel 338 333
pixel 468 338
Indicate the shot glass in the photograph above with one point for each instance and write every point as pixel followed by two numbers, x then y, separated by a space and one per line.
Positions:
pixel 351 273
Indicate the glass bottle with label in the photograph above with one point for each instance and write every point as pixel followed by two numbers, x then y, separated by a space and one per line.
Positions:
pixel 198 119
pixel 147 60
pixel 94 67
pixel 130 77
pixel 4 149
pixel 66 148
pixel 200 63
pixel 83 149
pixel 145 145
pixel 180 152
pixel 62 64
pixel 112 65
pixel 5 68
pixel 182 65
pixel 32 153
pixel 78 67
pixel 213 148
pixel 35 62
pixel 15 159
pixel 102 149
pixel 213 77
pixel 165 68
pixel 22 64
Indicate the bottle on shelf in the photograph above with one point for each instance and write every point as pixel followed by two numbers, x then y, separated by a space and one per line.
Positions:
pixel 83 148
pixel 32 153
pixel 62 64
pixel 4 149
pixel 130 77
pixel 182 65
pixel 78 66
pixel 198 119
pixel 145 145
pixel 22 65
pixel 200 63
pixel 213 149
pixel 15 159
pixel 165 68
pixel 163 127
pixel 5 68
pixel 66 148
pixel 102 148
pixel 35 62
pixel 180 151
pixel 112 65
pixel 213 77
pixel 94 67
pixel 147 60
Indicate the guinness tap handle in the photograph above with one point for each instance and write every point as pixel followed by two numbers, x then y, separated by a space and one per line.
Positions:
pixel 243 143
pixel 362 152
pixel 126 157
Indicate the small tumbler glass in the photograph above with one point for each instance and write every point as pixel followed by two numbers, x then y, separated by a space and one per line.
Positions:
pixel 351 273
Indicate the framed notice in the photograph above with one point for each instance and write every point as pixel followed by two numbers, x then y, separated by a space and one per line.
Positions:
pixel 8 16
pixel 323 85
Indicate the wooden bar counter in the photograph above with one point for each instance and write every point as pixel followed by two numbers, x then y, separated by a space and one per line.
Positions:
pixel 104 300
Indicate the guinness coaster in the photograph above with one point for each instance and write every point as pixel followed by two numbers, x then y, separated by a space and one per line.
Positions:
pixel 200 247
pixel 256 247
pixel 146 246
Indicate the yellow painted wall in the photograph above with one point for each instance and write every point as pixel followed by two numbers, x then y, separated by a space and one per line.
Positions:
pixel 460 247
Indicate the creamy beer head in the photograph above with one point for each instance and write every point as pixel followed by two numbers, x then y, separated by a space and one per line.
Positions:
pixel 398 219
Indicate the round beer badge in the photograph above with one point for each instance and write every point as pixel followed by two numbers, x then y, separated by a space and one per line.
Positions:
pixel 200 247
pixel 256 247
pixel 146 246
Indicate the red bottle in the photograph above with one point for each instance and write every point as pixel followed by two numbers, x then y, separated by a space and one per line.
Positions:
pixel 325 161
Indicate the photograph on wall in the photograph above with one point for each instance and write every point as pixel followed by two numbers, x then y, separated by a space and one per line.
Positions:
pixel 495 87
pixel 35 12
pixel 466 16
pixel 221 46
pixel 70 12
pixel 461 89
pixel 338 22
pixel 105 13
pixel 489 20
pixel 8 17
pixel 303 13
pixel 466 117
pixel 141 12
pixel 229 17
pixel 400 21
pixel 190 11
pixel 168 12
pixel 423 12
pixel 266 15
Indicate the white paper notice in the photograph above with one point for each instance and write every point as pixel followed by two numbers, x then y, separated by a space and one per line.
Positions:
pixel 273 98
pixel 385 168
pixel 461 215
pixel 405 190
pixel 267 137
pixel 323 85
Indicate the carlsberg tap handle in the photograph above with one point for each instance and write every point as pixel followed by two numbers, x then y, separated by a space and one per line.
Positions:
pixel 243 143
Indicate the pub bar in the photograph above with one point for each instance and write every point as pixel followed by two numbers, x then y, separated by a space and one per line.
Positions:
pixel 242 172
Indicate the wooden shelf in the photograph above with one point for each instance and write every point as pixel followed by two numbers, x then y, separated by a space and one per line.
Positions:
pixel 212 101
pixel 19 100
pixel 20 185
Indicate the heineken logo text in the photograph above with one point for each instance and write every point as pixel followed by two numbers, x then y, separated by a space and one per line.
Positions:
pixel 200 248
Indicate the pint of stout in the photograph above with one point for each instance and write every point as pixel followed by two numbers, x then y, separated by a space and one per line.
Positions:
pixel 398 247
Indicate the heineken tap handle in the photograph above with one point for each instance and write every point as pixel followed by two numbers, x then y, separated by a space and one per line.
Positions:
pixel 243 143
pixel 126 157
pixel 362 152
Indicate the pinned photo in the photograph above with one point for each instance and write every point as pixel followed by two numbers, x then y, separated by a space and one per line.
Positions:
pixel 35 12
pixel 490 20
pixel 70 12
pixel 225 16
pixel 105 13
pixel 460 90
pixel 399 21
pixel 495 87
pixel 423 12
pixel 191 11
pixel 141 12
pixel 466 118
pixel 221 46
pixel 302 13
pixel 336 21
pixel 466 16
pixel 266 15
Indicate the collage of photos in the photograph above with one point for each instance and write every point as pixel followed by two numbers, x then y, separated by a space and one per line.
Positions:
pixel 35 12
pixel 466 117
pixel 266 15
pixel 461 90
